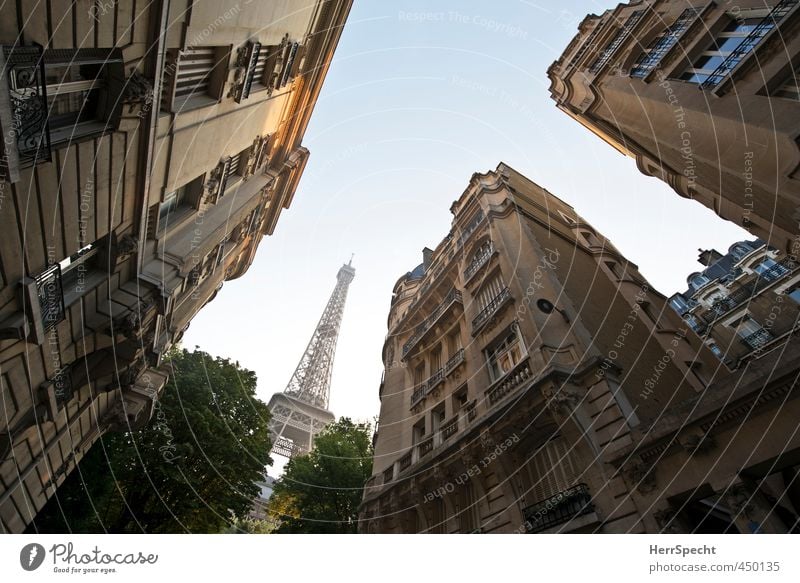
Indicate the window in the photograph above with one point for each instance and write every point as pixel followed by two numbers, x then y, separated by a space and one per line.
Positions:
pixel 171 202
pixel 504 355
pixel 437 417
pixel 662 44
pixel 194 77
pixel 794 294
pixel 770 270
pixel 679 304
pixel 739 251
pixel 454 342
pixel 751 332
pixel 83 92
pixel 608 53
pixel 489 292
pixel 730 46
pixel 714 347
pixel 698 280
pixel 436 358
pixel 418 432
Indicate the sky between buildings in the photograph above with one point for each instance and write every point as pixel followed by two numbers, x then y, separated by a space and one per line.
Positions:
pixel 419 96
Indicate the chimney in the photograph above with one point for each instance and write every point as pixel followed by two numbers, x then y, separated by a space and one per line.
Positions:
pixel 709 257
pixel 426 257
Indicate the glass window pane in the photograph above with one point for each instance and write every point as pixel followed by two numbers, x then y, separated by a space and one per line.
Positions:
pixel 708 63
pixel 727 44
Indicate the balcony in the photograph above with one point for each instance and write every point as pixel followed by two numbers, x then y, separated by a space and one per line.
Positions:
pixel 510 382
pixel 453 297
pixel 435 380
pixel 453 362
pixel 425 447
pixel 558 509
pixel 480 259
pixel 418 395
pixel 405 462
pixel 471 227
pixel 757 339
pixel 491 309
pixel 748 291
pixel 388 474
pixel 450 428
pixel 27 141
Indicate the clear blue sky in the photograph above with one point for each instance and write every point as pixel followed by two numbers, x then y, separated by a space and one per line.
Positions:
pixel 421 95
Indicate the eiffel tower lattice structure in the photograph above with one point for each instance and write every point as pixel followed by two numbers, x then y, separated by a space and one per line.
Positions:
pixel 300 412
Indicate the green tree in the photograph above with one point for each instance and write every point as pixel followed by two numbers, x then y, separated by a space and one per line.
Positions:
pixel 192 469
pixel 320 492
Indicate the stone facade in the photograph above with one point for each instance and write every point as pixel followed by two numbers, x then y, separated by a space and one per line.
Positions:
pixel 147 149
pixel 535 382
pixel 703 95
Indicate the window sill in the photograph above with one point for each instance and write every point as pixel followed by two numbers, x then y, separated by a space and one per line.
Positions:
pixel 92 279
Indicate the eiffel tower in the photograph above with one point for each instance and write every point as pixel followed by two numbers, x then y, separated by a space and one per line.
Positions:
pixel 300 412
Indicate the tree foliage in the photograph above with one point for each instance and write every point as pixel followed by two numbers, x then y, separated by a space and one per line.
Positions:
pixel 320 492
pixel 192 469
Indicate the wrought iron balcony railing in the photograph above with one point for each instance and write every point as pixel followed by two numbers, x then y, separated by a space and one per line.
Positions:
pixel 768 23
pixel 510 383
pixel 558 509
pixel 663 44
pixel 435 380
pixel 418 394
pixel 471 227
pixel 453 296
pixel 491 309
pixel 51 296
pixel 28 136
pixel 453 362
pixel 757 339
pixel 480 259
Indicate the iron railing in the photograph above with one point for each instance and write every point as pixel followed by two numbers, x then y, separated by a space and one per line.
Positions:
pixel 768 23
pixel 663 44
pixel 558 509
pixel 454 361
pixel 479 260
pixel 471 226
pixel 757 339
pixel 418 394
pixel 434 380
pixel 29 131
pixel 607 54
pixel 51 296
pixel 452 297
pixel 747 291
pixel 510 383
pixel 491 308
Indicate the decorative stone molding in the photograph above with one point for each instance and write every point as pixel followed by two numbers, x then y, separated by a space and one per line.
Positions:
pixel 739 498
pixel 127 245
pixel 698 443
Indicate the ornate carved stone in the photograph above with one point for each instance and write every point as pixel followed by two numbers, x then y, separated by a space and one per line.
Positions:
pixel 740 500
pixel 138 90
pixel 640 475
pixel 667 519
pixel 127 245
pixel 560 400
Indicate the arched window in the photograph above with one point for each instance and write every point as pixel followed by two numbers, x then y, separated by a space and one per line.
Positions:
pixel 738 251
pixel 697 280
